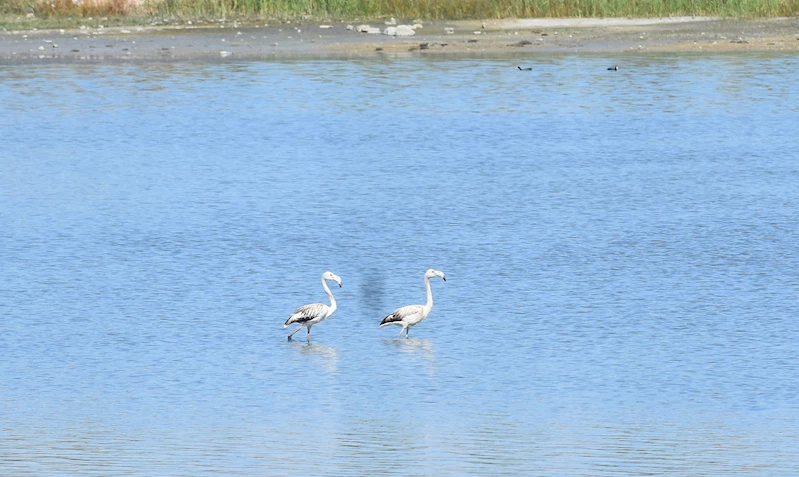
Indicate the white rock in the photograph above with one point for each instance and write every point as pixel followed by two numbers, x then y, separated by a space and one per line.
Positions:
pixel 41 48
pixel 325 26
pixel 391 22
pixel 368 29
pixel 225 54
pixel 350 27
pixel 417 25
pixel 477 32
pixel 405 30
pixel 449 30
pixel 390 31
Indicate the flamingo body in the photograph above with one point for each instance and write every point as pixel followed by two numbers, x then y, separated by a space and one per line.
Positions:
pixel 411 315
pixel 308 315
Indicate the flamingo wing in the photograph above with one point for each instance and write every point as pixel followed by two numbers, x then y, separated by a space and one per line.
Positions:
pixel 307 313
pixel 401 313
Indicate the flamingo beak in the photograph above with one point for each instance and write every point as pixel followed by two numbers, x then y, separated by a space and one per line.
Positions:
pixel 445 278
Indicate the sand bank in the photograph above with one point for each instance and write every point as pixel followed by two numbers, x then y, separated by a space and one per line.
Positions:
pixel 229 41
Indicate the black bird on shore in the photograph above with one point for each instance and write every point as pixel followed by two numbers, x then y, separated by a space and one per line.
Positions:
pixel 614 68
pixel 524 69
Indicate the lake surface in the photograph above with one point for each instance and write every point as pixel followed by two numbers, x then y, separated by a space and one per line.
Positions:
pixel 621 251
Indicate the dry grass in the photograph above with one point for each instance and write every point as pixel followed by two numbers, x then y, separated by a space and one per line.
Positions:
pixel 407 9
pixel 66 8
pixel 477 9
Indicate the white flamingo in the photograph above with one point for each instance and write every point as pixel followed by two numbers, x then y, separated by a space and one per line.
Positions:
pixel 412 315
pixel 308 315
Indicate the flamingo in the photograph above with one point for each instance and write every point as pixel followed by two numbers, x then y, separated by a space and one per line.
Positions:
pixel 308 315
pixel 412 315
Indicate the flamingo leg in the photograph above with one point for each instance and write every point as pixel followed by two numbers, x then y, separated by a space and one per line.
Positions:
pixel 407 331
pixel 401 330
pixel 295 332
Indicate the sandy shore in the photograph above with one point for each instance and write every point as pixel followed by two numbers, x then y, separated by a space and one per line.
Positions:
pixel 229 41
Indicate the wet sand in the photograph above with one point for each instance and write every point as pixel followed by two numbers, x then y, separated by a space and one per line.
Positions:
pixel 229 41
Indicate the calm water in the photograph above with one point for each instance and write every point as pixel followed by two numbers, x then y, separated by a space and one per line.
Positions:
pixel 621 249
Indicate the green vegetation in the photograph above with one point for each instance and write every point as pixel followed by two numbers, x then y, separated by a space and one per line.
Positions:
pixel 401 9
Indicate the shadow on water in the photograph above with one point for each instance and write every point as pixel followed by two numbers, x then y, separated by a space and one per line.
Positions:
pixel 373 291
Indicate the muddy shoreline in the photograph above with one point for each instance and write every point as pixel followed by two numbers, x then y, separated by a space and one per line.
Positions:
pixel 231 41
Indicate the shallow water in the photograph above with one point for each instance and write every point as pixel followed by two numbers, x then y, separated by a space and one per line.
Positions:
pixel 621 251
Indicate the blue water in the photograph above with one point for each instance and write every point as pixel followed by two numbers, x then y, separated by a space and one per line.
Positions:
pixel 621 251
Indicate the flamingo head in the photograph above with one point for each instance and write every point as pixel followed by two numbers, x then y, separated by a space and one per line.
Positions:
pixel 332 276
pixel 435 273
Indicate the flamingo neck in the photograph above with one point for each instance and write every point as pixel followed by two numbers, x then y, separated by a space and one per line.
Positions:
pixel 429 305
pixel 329 295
